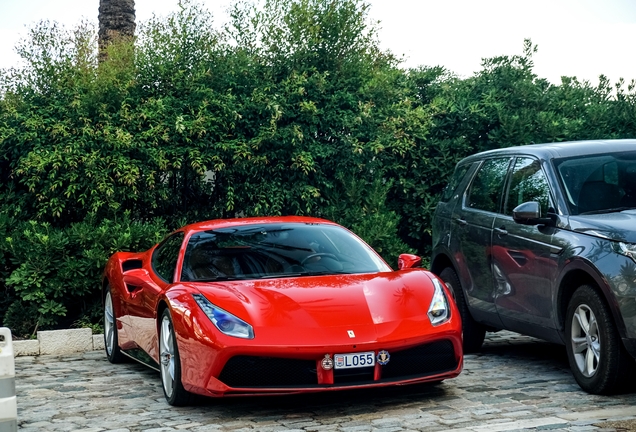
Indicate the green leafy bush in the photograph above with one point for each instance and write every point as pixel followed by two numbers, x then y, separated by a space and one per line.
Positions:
pixel 57 271
pixel 292 108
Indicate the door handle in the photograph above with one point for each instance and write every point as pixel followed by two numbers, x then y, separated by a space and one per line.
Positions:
pixel 501 231
pixel 461 221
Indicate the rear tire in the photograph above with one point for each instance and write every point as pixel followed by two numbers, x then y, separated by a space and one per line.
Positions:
pixel 599 362
pixel 111 342
pixel 170 364
pixel 473 332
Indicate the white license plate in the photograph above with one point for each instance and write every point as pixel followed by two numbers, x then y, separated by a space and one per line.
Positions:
pixel 356 360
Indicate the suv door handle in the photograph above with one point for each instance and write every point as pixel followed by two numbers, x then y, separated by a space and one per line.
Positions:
pixel 501 231
pixel 461 221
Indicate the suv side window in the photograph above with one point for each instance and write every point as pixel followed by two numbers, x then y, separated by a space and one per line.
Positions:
pixel 487 187
pixel 528 183
pixel 454 181
pixel 164 258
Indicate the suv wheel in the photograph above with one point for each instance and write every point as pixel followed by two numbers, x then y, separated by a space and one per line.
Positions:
pixel 597 357
pixel 474 332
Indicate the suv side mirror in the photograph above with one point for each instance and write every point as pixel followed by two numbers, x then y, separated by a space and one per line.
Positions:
pixel 406 261
pixel 529 213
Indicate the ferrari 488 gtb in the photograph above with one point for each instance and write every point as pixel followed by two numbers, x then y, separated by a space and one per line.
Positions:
pixel 277 306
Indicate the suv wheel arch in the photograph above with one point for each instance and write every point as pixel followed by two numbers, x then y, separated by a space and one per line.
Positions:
pixel 579 273
pixel 440 262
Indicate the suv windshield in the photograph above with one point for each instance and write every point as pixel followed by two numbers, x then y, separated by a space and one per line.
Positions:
pixel 276 250
pixel 599 183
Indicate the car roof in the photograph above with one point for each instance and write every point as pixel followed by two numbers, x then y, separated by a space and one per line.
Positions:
pixel 558 150
pixel 225 223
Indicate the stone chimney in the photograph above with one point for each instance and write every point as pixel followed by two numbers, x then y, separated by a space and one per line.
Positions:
pixel 116 22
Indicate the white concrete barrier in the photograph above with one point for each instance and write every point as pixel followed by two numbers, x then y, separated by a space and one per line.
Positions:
pixel 59 342
pixel 65 341
pixel 8 403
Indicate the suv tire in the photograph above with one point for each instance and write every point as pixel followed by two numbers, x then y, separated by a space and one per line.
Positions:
pixel 474 332
pixel 596 354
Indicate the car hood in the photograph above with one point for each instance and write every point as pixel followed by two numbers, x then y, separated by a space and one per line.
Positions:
pixel 328 308
pixel 613 226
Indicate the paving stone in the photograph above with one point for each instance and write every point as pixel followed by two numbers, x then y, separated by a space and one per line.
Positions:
pixel 515 383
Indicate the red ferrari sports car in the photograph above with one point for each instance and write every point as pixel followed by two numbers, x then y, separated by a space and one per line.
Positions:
pixel 277 305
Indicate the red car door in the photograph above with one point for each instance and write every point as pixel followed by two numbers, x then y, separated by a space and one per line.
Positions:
pixel 144 305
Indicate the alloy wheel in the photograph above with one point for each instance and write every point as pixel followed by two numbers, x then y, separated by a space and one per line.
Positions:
pixel 109 324
pixel 586 341
pixel 166 356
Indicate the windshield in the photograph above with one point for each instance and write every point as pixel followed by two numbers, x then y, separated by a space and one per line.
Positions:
pixel 599 183
pixel 276 250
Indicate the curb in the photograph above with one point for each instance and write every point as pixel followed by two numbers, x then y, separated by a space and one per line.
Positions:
pixel 58 342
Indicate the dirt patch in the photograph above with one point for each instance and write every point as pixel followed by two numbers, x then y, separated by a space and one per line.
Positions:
pixel 619 426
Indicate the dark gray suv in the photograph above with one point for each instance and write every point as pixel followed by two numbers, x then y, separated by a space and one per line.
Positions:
pixel 541 240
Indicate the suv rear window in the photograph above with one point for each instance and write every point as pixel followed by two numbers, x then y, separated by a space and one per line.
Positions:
pixel 454 181
pixel 487 188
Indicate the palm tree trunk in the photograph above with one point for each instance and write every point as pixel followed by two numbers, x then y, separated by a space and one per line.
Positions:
pixel 116 22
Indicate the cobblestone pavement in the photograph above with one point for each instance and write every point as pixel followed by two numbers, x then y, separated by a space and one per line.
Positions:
pixel 515 383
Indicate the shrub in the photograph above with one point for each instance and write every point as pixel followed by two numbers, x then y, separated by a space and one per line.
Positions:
pixel 57 271
pixel 292 108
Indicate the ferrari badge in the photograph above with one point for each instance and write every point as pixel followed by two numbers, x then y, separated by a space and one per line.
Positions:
pixel 383 357
pixel 327 362
pixel 351 333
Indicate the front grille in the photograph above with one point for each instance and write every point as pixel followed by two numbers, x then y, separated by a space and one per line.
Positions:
pixel 422 360
pixel 250 371
pixel 353 376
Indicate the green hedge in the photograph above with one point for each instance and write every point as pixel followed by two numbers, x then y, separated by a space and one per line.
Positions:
pixel 54 273
pixel 290 109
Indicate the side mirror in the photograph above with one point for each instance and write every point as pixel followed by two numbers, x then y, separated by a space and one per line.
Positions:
pixel 406 261
pixel 529 213
pixel 137 277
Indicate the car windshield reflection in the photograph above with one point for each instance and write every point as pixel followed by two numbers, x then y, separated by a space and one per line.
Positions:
pixel 596 184
pixel 268 251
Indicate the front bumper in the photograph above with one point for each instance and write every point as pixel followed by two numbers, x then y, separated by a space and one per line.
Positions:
pixel 275 374
pixel 287 360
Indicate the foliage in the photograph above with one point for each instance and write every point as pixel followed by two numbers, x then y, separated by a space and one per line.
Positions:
pixel 292 108
pixel 58 269
pixel 502 105
pixel 361 207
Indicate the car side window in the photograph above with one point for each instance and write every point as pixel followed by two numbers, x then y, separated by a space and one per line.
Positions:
pixel 454 181
pixel 164 258
pixel 528 183
pixel 487 187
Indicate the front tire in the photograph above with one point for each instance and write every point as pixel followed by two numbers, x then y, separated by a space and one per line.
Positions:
pixel 473 332
pixel 170 364
pixel 111 343
pixel 598 360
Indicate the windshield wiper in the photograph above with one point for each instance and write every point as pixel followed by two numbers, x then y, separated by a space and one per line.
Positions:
pixel 249 277
pixel 323 273
pixel 221 279
pixel 278 275
pixel 272 276
pixel 609 210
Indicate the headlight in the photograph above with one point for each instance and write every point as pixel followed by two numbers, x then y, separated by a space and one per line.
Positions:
pixel 627 249
pixel 439 311
pixel 226 322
